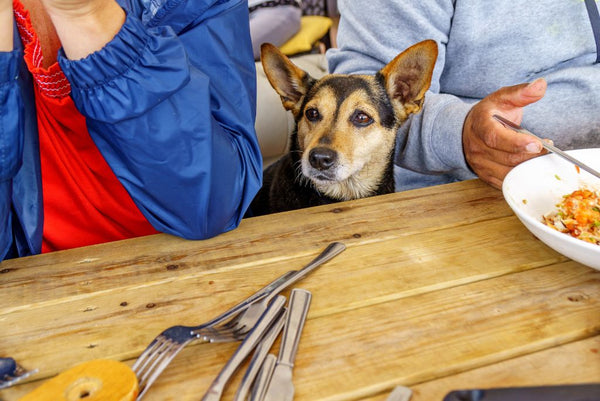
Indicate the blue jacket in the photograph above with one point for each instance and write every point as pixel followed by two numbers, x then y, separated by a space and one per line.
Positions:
pixel 169 102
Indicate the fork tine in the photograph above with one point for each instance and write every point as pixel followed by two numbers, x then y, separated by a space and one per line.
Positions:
pixel 149 354
pixel 158 365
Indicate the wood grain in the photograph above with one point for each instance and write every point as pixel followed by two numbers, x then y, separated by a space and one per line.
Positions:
pixel 436 287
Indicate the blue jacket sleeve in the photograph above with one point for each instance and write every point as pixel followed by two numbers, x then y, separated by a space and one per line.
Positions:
pixel 170 103
pixel 11 144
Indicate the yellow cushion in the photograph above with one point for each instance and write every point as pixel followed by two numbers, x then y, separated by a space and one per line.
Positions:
pixel 312 28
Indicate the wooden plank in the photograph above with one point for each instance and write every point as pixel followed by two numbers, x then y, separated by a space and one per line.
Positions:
pixel 363 351
pixel 287 238
pixel 572 363
pixel 419 264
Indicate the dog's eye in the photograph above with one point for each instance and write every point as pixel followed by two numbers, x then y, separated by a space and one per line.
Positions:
pixel 361 119
pixel 312 114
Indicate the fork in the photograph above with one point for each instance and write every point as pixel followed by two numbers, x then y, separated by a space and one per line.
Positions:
pixel 251 315
pixel 11 372
pixel 232 325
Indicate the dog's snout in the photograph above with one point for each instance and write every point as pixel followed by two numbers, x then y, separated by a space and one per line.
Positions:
pixel 322 158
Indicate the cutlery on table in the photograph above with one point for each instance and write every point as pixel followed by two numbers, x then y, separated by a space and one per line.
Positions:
pixel 264 376
pixel 250 342
pixel 400 393
pixel 281 387
pixel 231 325
pixel 11 372
pixel 548 146
pixel 262 349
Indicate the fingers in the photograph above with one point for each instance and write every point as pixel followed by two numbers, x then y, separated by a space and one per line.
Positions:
pixel 490 148
pixel 518 96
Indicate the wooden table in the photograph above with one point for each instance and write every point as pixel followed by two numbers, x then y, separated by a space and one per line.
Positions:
pixel 439 288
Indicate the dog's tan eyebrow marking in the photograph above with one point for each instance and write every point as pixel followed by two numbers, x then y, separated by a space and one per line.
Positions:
pixel 344 86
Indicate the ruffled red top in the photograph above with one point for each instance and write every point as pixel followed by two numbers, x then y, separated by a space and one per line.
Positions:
pixel 84 202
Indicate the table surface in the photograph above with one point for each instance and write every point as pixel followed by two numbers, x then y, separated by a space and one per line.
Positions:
pixel 439 289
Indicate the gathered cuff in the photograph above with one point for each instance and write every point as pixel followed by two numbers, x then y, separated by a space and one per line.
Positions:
pixel 132 73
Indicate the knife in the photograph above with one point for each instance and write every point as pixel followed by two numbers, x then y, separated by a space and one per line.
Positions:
pixel 262 349
pixel 264 377
pixel 281 387
pixel 550 147
pixel 252 339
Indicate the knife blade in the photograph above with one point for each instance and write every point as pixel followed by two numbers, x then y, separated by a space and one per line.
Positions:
pixel 281 386
pixel 549 146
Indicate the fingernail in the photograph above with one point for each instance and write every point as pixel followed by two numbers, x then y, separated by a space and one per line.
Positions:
pixel 533 147
pixel 537 85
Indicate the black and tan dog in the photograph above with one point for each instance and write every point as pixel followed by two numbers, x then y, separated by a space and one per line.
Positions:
pixel 346 128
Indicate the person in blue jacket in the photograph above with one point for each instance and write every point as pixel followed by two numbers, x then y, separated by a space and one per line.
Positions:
pixel 124 118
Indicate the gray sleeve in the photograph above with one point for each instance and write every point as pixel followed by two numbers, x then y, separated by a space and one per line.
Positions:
pixel 370 35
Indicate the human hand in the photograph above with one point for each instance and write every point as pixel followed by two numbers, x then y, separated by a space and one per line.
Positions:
pixel 491 149
pixel 6 25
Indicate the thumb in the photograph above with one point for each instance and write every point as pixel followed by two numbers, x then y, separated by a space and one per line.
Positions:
pixel 521 95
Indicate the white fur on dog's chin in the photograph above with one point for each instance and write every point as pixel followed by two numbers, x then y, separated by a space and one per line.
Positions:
pixel 352 187
pixel 346 185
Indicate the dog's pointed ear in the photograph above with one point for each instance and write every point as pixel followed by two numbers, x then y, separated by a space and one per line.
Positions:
pixel 408 76
pixel 288 80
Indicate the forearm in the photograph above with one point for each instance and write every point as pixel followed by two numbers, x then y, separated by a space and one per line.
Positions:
pixel 87 27
pixel 430 142
pixel 6 26
pixel 191 167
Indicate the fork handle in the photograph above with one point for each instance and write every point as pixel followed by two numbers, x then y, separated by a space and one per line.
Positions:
pixel 332 250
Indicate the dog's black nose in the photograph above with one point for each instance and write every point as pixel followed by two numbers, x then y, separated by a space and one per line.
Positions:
pixel 322 158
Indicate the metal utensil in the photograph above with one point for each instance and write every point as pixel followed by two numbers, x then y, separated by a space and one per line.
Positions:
pixel 281 387
pixel 252 339
pixel 11 372
pixel 264 377
pixel 400 393
pixel 262 349
pixel 231 325
pixel 550 147
pixel 251 315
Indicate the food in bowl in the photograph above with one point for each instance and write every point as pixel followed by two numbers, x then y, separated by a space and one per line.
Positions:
pixel 578 215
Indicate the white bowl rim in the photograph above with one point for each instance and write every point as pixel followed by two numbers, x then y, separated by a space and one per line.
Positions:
pixel 537 222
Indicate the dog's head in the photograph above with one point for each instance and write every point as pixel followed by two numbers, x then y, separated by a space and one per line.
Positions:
pixel 346 125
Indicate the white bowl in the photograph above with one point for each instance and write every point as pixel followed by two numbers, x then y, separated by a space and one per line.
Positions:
pixel 533 188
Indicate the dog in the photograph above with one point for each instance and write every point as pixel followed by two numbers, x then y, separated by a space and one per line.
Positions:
pixel 346 125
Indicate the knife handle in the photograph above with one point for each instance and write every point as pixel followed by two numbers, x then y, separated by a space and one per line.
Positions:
pixel 260 353
pixel 250 342
pixel 259 390
pixel 296 316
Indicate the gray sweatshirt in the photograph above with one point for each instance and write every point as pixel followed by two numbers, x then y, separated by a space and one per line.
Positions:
pixel 483 45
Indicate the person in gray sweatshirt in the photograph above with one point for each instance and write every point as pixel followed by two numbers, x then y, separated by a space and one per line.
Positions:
pixel 533 62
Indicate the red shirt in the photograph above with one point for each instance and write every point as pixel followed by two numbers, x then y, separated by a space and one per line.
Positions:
pixel 84 202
